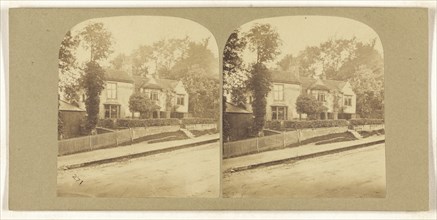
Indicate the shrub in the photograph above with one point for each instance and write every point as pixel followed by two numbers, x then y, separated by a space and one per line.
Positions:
pixel 366 121
pixel 190 121
pixel 274 125
pixel 131 123
pixel 106 123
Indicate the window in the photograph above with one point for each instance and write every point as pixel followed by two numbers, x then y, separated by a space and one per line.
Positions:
pixel 321 97
pixel 348 100
pixel 278 92
pixel 279 113
pixel 111 90
pixel 180 100
pixel 112 111
pixel 154 96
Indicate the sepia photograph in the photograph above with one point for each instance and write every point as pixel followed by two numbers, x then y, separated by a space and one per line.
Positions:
pixel 303 109
pixel 139 109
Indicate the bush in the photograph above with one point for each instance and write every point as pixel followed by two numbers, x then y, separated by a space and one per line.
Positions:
pixel 106 123
pixel 274 125
pixel 191 121
pixel 131 123
pixel 294 125
pixel 366 121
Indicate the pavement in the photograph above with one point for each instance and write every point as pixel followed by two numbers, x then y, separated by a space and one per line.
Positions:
pixel 129 151
pixel 295 153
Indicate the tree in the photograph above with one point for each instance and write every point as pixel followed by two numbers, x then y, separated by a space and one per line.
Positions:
pixel 226 124
pixel 119 61
pixel 142 58
pixel 93 85
pixel 309 105
pixel 234 74
pixel 264 41
pixel 327 58
pixel 198 71
pixel 260 86
pixel 140 102
pixel 97 40
pixel 68 69
pixel 286 62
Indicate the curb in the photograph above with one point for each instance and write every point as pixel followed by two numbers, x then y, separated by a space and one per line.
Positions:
pixel 137 155
pixel 303 157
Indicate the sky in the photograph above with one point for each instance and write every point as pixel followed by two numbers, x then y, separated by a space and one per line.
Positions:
pixel 129 32
pixel 298 32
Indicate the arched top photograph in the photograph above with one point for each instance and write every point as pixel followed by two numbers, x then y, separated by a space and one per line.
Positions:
pixel 142 84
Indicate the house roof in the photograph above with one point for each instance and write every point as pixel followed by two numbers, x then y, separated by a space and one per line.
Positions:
pixel 142 82
pixel 118 76
pixel 65 106
pixel 321 84
pixel 289 77
pixel 231 108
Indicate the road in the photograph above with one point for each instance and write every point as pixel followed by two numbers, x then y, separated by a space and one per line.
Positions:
pixel 191 172
pixel 358 173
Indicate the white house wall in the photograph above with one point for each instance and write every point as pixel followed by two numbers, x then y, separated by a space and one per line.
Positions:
pixel 347 90
pixel 291 92
pixel 180 90
pixel 124 91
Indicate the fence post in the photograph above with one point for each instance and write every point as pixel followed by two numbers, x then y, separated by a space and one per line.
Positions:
pixel 283 139
pixel 298 136
pixel 257 148
pixel 131 132
pixel 90 142
pixel 116 138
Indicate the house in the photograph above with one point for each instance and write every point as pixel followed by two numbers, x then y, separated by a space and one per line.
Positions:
pixel 170 95
pixel 114 98
pixel 71 116
pixel 288 85
pixel 337 96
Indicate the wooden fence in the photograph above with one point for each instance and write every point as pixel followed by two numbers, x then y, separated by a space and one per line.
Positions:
pixel 112 139
pixel 277 141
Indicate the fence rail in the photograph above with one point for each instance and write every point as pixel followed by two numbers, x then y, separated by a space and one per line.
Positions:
pixel 112 139
pixel 277 141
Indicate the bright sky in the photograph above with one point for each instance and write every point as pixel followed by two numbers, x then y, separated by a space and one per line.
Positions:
pixel 129 32
pixel 298 32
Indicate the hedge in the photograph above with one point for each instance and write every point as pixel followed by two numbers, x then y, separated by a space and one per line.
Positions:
pixel 132 123
pixel 190 121
pixel 106 123
pixel 293 125
pixel 366 121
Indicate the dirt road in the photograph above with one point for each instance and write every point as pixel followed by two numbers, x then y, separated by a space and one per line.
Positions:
pixel 358 173
pixel 191 172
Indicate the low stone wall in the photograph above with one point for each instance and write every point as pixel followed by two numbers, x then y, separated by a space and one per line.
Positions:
pixel 146 131
pixel 368 127
pixel 310 133
pixel 201 127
